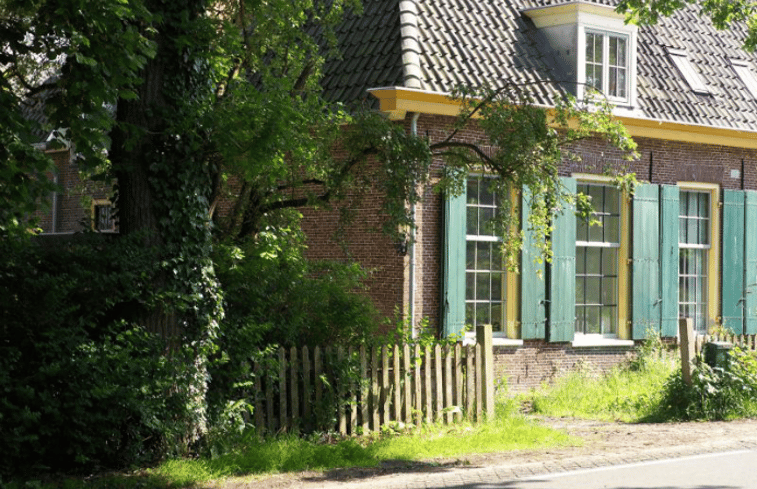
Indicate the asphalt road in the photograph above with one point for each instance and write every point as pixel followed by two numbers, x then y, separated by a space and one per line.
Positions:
pixel 729 470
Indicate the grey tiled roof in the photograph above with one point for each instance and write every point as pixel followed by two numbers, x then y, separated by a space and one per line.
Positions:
pixel 477 41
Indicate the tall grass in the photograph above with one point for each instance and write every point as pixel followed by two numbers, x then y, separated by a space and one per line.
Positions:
pixel 508 431
pixel 630 392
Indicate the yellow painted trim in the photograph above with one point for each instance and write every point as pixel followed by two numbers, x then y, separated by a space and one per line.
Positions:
pixel 396 102
pixel 689 133
pixel 713 255
pixel 513 283
pixel 624 272
pixel 92 205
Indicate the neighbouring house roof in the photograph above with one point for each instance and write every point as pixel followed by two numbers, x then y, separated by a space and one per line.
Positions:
pixel 436 45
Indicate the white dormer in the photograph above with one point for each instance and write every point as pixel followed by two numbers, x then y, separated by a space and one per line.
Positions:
pixel 596 46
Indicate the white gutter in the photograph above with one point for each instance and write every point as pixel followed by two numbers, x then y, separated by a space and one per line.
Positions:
pixel 414 132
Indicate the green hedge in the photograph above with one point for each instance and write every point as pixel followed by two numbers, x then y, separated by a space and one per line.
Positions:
pixel 81 386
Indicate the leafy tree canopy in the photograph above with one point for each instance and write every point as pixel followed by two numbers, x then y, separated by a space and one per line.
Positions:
pixel 723 13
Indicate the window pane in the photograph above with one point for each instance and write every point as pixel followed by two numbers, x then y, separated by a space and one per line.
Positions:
pixel 704 205
pixel 486 197
pixel 497 283
pixel 593 258
pixel 693 230
pixel 608 320
pixel 471 220
pixel 595 233
pixel 485 215
pixel 483 256
pixel 580 290
pixel 612 200
pixel 580 260
pixel 592 320
pixel 609 288
pixel 472 192
pixel 482 314
pixel 621 87
pixel 610 262
pixel 592 290
pixel 582 229
pixel 704 232
pixel 498 317
pixel 612 229
pixel 482 287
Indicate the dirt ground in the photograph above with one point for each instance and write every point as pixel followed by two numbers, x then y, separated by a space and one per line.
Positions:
pixel 612 441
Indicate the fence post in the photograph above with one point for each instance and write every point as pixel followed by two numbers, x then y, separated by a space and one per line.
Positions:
pixel 686 333
pixel 364 389
pixel 484 338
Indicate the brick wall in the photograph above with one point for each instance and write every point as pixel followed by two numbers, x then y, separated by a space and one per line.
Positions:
pixel 661 162
pixel 67 212
pixel 536 362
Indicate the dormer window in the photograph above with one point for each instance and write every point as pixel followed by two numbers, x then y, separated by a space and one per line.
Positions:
pixel 607 63
pixel 596 47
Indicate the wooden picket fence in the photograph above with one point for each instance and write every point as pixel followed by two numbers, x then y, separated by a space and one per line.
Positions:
pixel 354 390
pixel 746 342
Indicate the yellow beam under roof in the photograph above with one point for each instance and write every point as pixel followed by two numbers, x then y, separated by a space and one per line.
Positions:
pixel 396 102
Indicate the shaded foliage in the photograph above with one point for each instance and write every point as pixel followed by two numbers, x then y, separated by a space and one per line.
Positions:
pixel 82 386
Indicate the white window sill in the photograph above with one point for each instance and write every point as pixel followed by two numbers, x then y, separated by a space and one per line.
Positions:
pixel 589 341
pixel 498 339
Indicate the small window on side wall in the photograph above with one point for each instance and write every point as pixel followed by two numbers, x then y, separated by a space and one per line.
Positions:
pixel 103 218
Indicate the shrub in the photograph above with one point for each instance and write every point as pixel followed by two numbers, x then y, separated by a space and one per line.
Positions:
pixel 81 385
pixel 274 296
pixel 716 393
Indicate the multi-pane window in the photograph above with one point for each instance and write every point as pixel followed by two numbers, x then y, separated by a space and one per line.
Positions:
pixel 693 244
pixel 484 274
pixel 102 217
pixel 606 64
pixel 597 263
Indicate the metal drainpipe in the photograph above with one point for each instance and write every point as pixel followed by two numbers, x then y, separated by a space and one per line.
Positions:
pixel 414 132
pixel 54 211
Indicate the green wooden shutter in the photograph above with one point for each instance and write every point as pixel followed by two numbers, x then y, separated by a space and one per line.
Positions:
pixel 645 272
pixel 562 279
pixel 750 260
pixel 532 285
pixel 669 259
pixel 453 293
pixel 733 260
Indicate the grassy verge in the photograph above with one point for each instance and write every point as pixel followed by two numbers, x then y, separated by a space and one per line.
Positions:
pixel 631 392
pixel 508 431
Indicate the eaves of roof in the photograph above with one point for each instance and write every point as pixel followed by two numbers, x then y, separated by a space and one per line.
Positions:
pixel 397 102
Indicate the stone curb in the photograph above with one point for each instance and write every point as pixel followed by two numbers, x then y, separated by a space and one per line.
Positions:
pixel 463 477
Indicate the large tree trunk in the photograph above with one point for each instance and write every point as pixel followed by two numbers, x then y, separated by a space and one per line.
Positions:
pixel 162 194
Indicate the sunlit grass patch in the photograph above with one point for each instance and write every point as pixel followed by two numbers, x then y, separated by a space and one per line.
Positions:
pixel 631 392
pixel 508 431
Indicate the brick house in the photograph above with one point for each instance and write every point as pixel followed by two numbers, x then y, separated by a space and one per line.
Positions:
pixel 684 245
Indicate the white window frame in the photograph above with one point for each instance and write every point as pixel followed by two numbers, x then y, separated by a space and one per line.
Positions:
pixel 501 337
pixel 713 249
pixel 605 63
pixel 746 73
pixel 617 246
pixel 690 74
pixel 607 29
